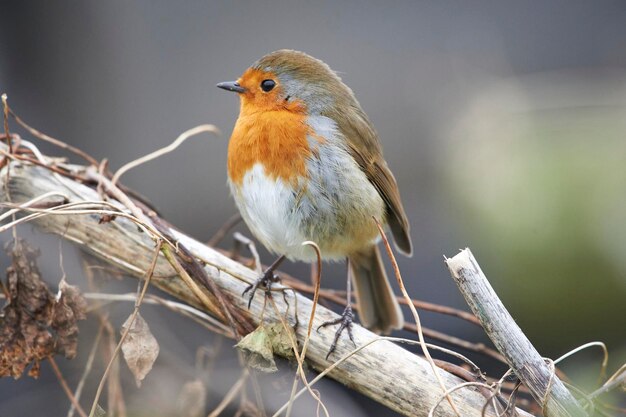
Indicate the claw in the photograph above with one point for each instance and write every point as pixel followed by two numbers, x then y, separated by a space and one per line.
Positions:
pixel 345 323
pixel 266 281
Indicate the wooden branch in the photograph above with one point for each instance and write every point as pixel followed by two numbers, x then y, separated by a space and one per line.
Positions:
pixel 540 378
pixel 383 371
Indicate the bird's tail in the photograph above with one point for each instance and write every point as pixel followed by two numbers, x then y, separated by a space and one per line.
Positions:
pixel 379 310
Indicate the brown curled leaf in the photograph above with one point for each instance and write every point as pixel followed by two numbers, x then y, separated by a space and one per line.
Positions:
pixel 24 338
pixel 33 325
pixel 69 308
pixel 140 348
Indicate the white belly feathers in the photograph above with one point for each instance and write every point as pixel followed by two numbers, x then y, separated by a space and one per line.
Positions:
pixel 332 206
pixel 266 207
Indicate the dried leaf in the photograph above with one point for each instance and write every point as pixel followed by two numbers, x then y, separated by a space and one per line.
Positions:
pixel 33 325
pixel 69 308
pixel 259 347
pixel 140 348
pixel 191 401
pixel 100 411
pixel 280 339
pixel 35 369
pixel 257 351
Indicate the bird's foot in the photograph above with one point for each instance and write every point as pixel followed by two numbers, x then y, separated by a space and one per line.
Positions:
pixel 345 323
pixel 265 281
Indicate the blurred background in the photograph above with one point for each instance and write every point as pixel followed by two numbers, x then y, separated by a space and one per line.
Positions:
pixel 504 123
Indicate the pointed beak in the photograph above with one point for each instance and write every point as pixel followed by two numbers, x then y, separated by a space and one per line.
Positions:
pixel 231 86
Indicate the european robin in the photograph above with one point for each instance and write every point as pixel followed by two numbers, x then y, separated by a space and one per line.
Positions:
pixel 305 163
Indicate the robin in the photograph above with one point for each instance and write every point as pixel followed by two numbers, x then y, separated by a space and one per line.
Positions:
pixel 305 163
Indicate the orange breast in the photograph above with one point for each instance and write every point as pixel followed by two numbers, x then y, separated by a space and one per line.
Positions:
pixel 277 139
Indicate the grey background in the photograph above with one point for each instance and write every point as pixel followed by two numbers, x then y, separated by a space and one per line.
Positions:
pixel 120 79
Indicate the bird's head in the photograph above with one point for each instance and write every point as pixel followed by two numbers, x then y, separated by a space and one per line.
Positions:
pixel 289 80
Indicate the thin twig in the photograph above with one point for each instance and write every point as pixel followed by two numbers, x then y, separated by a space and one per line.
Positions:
pixel 418 324
pixel 133 316
pixel 29 203
pixel 605 358
pixel 10 155
pixel 338 297
pixel 455 341
pixel 318 281
pixel 7 134
pixel 441 309
pixel 115 396
pixel 256 389
pixel 201 295
pixel 90 208
pixel 617 379
pixel 56 142
pixel 213 324
pixel 54 169
pixel 169 148
pixel 496 387
pixel 231 394
pixel 65 387
pixel 299 359
pixel 236 319
pixel 86 371
pixel 447 393
pixel 462 373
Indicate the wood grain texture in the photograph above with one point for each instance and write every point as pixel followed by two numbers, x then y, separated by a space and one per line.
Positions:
pixel 383 371
pixel 518 351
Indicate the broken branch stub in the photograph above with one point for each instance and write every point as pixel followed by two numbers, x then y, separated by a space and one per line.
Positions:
pixel 520 354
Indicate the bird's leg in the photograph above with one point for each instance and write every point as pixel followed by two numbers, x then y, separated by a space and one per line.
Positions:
pixel 344 322
pixel 267 277
pixel 266 280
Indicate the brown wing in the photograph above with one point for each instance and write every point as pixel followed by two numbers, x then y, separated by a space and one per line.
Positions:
pixel 366 150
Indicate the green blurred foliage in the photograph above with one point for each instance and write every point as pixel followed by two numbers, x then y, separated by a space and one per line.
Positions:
pixel 541 193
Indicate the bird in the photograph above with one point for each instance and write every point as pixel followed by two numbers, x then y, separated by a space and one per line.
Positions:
pixel 305 164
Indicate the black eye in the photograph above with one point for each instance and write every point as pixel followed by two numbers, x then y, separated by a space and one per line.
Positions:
pixel 267 85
